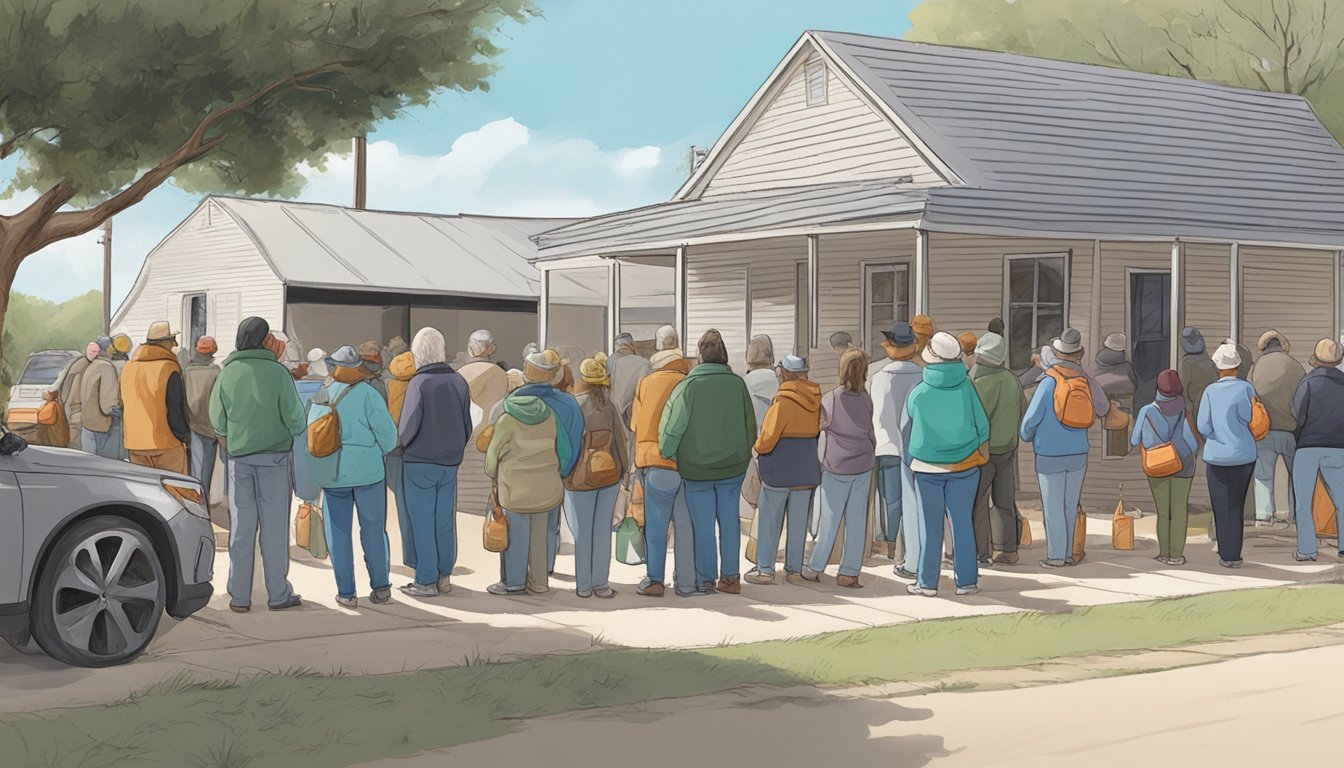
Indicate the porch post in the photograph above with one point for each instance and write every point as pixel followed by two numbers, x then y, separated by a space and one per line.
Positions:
pixel 679 297
pixel 813 290
pixel 1177 300
pixel 613 303
pixel 543 307
pixel 1337 259
pixel 921 272
pixel 1234 294
pixel 1094 310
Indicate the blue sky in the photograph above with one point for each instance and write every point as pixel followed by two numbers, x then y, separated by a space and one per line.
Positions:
pixel 595 109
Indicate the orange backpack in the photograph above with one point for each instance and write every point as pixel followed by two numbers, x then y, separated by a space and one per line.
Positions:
pixel 1073 400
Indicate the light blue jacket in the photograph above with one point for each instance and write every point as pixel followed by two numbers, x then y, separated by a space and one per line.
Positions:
pixel 367 435
pixel 1042 429
pixel 1152 428
pixel 1225 422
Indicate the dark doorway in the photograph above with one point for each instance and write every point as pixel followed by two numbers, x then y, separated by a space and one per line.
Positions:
pixel 197 316
pixel 1149 330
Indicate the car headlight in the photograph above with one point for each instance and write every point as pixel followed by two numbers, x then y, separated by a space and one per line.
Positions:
pixel 190 495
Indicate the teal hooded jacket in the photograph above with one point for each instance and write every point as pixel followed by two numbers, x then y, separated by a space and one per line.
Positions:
pixel 945 420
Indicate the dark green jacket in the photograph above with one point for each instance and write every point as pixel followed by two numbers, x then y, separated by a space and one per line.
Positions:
pixel 1001 394
pixel 254 406
pixel 708 424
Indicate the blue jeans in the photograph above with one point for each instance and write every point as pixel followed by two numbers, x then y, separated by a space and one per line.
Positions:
pixel 592 512
pixel 1329 463
pixel 664 505
pixel 891 496
pixel 710 501
pixel 553 536
pixel 1267 452
pixel 776 510
pixel 106 444
pixel 370 501
pixel 524 559
pixel 431 496
pixel 259 503
pixel 843 497
pixel 397 483
pixel 954 495
pixel 203 450
pixel 1061 480
pixel 910 522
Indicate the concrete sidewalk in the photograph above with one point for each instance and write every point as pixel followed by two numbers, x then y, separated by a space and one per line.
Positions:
pixel 470 626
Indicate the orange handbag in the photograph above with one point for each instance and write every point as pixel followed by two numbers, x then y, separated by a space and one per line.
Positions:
pixel 1259 419
pixel 1160 460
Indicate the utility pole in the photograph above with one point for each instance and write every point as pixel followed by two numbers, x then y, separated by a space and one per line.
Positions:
pixel 107 277
pixel 361 172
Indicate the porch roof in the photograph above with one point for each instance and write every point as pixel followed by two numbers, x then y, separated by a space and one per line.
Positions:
pixel 668 225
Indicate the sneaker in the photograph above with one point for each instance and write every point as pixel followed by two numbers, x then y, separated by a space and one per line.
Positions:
pixel 497 588
pixel 1301 558
pixel 381 595
pixel 649 588
pixel 605 593
pixel 1230 563
pixel 811 575
pixel 236 608
pixel 1176 561
pixel 973 589
pixel 1273 525
pixel 1162 559
pixel 848 582
pixel 294 601
pixel 915 589
pixel 583 594
pixel 347 602
pixel 1054 563
pixel 796 579
pixel 904 574
pixel 420 590
pixel 445 584
pixel 756 577
pixel 1006 558
pixel 692 593
pixel 731 585
pixel 706 588
pixel 986 562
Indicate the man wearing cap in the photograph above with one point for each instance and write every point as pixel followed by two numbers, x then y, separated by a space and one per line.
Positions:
pixel 121 351
pixel 626 369
pixel 256 413
pixel 1318 408
pixel 1275 376
pixel 890 387
pixel 1061 451
pixel 199 378
pixel 101 397
pixel 1229 450
pixel 154 403
pixel 787 459
pixel 996 524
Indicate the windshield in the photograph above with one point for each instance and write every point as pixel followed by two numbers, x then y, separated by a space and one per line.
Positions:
pixel 44 367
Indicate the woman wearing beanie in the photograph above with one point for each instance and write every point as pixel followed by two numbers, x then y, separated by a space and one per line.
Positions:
pixel 1229 451
pixel 761 380
pixel 590 490
pixel 1166 421
pixel 949 442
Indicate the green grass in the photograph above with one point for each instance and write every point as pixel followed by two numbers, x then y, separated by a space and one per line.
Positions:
pixel 302 719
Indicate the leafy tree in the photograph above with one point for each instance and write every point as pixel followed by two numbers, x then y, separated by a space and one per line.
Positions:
pixel 1288 46
pixel 34 324
pixel 105 100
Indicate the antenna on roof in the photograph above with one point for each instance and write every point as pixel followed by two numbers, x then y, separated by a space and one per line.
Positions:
pixel 698 155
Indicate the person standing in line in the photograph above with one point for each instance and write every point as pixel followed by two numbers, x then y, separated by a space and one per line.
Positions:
pixel 199 377
pixel 256 412
pixel 664 495
pixel 402 368
pixel 485 379
pixel 948 443
pixel 968 341
pixel 101 400
pixel 761 378
pixel 626 369
pixel 847 473
pixel 891 387
pixel 434 429
pixel 545 373
pixel 1275 376
pixel 786 450
pixel 69 389
pixel 1229 450
pixel 524 458
pixel 1318 412
pixel 995 519
pixel 352 478
pixel 708 426
pixel 1056 425
pixel 1165 420
pixel 1243 370
pixel 154 404
pixel 924 328
pixel 371 357
pixel 590 491
pixel 1195 368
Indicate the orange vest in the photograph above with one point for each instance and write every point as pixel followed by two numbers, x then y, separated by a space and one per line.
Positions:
pixel 144 399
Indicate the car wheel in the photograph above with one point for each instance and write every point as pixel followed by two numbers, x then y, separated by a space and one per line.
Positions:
pixel 100 595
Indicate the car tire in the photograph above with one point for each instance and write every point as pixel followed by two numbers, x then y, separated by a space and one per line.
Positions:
pixel 100 595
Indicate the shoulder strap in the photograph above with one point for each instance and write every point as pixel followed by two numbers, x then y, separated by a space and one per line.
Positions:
pixel 344 392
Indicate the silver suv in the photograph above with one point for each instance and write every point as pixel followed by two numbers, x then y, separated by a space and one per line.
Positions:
pixel 94 551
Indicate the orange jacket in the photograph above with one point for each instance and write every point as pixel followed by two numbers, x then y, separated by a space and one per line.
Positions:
pixel 646 413
pixel 145 400
pixel 795 412
pixel 402 369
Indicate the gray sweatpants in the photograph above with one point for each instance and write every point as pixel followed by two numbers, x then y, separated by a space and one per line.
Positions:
pixel 259 502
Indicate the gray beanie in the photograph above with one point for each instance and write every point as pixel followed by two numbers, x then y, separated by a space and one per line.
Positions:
pixel 761 351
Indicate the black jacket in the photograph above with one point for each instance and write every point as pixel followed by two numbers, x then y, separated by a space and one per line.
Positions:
pixel 1318 406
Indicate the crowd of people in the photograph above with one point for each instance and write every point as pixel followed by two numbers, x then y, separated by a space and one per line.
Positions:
pixel 935 423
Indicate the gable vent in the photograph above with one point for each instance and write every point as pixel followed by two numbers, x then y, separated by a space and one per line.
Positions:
pixel 815 74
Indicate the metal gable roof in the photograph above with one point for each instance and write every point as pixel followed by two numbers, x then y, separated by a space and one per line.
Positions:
pixel 1051 146
pixel 327 246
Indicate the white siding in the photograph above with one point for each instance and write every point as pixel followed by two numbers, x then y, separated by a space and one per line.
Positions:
pixel 792 144
pixel 1291 291
pixel 1208 290
pixel 716 295
pixel 208 253
pixel 841 264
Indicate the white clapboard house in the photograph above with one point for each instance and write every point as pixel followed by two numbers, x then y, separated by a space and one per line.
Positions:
pixel 871 179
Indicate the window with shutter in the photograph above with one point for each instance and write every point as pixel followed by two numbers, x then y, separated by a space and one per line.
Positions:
pixel 816 83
